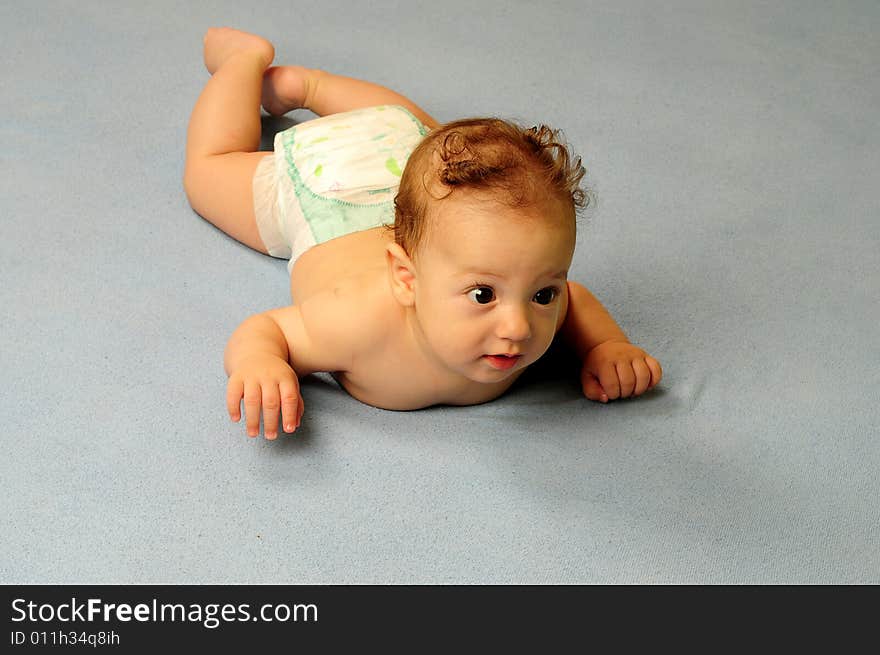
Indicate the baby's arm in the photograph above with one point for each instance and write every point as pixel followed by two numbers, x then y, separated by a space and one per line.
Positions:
pixel 263 358
pixel 612 367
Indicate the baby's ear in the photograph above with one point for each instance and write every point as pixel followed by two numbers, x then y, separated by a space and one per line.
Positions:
pixel 401 274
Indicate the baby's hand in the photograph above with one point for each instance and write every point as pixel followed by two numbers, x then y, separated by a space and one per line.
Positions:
pixel 270 382
pixel 617 369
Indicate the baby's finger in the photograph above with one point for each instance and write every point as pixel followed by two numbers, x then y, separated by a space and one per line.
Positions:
pixel 656 371
pixel 592 389
pixel 289 406
pixel 234 392
pixel 271 405
pixel 643 376
pixel 609 381
pixel 252 398
pixel 627 378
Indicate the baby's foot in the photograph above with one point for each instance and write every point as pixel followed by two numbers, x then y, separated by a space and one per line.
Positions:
pixel 223 42
pixel 285 88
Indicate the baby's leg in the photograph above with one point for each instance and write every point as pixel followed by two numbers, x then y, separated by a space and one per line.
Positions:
pixel 286 88
pixel 224 134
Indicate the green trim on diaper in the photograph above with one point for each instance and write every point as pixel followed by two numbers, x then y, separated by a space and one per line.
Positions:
pixel 422 129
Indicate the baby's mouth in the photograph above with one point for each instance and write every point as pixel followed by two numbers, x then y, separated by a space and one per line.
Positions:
pixel 502 362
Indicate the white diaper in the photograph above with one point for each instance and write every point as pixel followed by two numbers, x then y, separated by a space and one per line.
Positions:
pixel 332 176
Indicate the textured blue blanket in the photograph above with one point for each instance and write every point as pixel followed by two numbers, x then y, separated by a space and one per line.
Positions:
pixel 734 152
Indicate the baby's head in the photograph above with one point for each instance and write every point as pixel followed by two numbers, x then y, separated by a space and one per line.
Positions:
pixel 484 236
pixel 484 159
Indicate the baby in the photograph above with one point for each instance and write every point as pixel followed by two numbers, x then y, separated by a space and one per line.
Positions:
pixel 451 304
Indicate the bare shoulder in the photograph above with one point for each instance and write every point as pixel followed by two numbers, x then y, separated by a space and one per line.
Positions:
pixel 356 315
pixel 343 308
pixel 332 329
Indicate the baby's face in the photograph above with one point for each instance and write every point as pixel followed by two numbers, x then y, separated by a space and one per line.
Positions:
pixel 491 284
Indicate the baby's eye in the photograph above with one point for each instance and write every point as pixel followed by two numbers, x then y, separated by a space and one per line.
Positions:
pixel 482 295
pixel 545 296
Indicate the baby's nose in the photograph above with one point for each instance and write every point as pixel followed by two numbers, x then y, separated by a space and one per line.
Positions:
pixel 514 324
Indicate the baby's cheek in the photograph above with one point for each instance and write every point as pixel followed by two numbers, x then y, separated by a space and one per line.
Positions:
pixel 544 333
pixel 550 324
pixel 459 341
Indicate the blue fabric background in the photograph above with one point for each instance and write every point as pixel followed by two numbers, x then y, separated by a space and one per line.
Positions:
pixel 734 150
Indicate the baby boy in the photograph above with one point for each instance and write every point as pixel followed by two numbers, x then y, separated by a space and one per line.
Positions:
pixel 451 303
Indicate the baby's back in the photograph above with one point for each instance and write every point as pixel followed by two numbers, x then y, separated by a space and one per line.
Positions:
pixel 353 258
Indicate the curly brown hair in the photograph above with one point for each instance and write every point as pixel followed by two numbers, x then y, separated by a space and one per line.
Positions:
pixel 515 165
